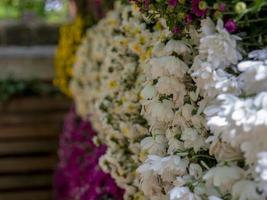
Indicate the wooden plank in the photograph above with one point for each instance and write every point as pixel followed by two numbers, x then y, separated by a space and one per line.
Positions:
pixel 27 147
pixel 27 164
pixel 12 182
pixel 27 195
pixel 36 104
pixel 35 118
pixel 35 131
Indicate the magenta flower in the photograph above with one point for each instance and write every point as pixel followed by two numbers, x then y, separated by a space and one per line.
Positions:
pixel 221 7
pixel 78 175
pixel 230 26
pixel 176 30
pixel 188 18
pixel 196 9
pixel 172 3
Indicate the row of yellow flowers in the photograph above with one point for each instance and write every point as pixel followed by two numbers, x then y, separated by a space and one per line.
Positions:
pixel 70 38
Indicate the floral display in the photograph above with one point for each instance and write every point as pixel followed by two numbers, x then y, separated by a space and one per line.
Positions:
pixel 78 175
pixel 180 102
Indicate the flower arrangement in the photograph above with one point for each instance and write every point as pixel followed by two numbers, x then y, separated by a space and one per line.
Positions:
pixel 78 175
pixel 180 102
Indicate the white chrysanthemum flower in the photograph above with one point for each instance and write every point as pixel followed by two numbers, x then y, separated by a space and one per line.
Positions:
pixel 165 169
pixel 162 111
pixel 150 184
pixel 158 49
pixel 173 164
pixel 261 169
pixel 223 177
pixel 258 54
pixel 195 170
pixel 213 82
pixel 148 92
pixel 246 190
pixel 183 193
pixel 156 145
pixel 223 151
pixel 214 198
pixel 253 78
pixel 192 139
pixel 220 48
pixel 177 46
pixel 207 27
pixel 160 164
pixel 167 66
pixel 168 85
pixel 241 122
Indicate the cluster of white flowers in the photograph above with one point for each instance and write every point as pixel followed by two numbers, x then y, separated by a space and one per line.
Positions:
pixel 107 81
pixel 241 120
pixel 177 129
pixel 234 94
pixel 119 107
pixel 178 126
pixel 86 81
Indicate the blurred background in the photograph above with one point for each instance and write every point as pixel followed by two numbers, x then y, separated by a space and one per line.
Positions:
pixel 32 109
pixel 38 43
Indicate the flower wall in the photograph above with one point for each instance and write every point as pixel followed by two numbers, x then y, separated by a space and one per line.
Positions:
pixel 176 90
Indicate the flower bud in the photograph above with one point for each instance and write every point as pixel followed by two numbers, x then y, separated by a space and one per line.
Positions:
pixel 240 7
pixel 203 5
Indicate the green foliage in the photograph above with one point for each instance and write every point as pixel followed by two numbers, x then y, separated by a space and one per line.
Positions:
pixel 13 9
pixel 12 88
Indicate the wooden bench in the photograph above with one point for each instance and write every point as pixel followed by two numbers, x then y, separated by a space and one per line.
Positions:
pixel 29 130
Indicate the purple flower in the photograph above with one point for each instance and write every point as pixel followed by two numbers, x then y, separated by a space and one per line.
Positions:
pixel 188 18
pixel 196 8
pixel 146 4
pixel 78 175
pixel 176 30
pixel 230 26
pixel 221 7
pixel 172 3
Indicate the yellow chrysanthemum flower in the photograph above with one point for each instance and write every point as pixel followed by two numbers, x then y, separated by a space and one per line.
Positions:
pixel 70 38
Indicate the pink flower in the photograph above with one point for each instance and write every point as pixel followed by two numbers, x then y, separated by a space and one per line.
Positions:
pixel 172 3
pixel 196 9
pixel 146 3
pixel 78 175
pixel 176 30
pixel 230 26
pixel 222 7
pixel 188 18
